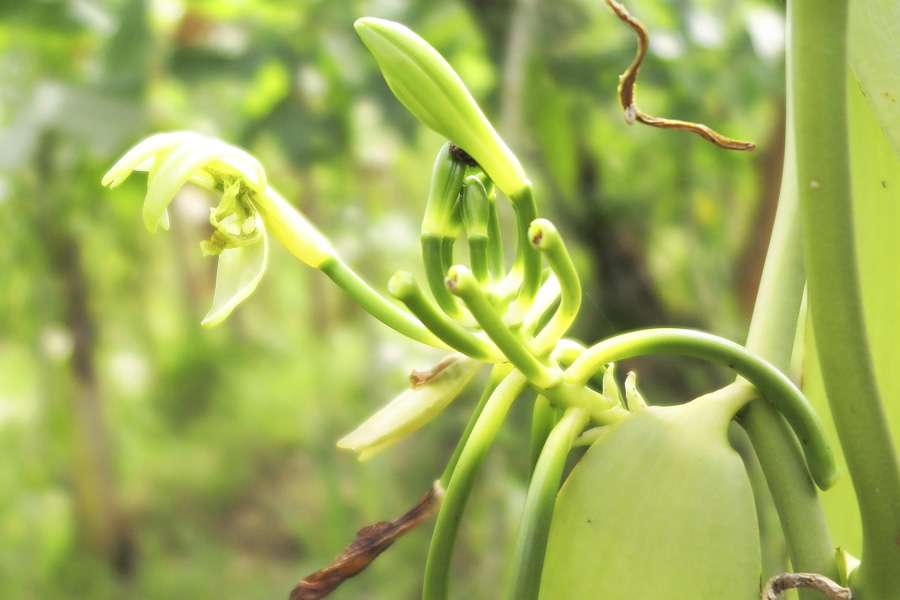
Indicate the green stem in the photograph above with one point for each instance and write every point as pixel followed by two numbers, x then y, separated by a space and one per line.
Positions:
pixel 497 374
pixel 437 566
pixel 496 260
pixel 376 304
pixel 771 539
pixel 819 32
pixel 534 526
pixel 772 383
pixel 772 333
pixel 526 254
pixel 433 255
pixel 404 287
pixel 546 238
pixel 463 284
pixel 543 419
pixel 478 258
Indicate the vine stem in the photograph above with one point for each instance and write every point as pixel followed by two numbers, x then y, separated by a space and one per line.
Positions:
pixel 534 528
pixel 771 335
pixel 772 383
pixel 819 32
pixel 462 476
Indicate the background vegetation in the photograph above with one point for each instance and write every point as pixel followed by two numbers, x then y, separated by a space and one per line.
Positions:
pixel 149 458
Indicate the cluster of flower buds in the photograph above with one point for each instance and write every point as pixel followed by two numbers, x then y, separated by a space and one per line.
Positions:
pixel 514 317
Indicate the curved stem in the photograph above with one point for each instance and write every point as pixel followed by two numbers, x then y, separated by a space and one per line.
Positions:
pixel 437 566
pixel 526 255
pixel 546 238
pixel 404 287
pixel 819 32
pixel 463 284
pixel 376 304
pixel 772 383
pixel 534 526
pixel 497 374
pixel 433 254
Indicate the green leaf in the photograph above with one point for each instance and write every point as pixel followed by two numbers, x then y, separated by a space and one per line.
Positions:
pixel 239 272
pixel 874 48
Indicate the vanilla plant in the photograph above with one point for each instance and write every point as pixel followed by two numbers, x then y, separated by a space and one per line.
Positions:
pixel 661 505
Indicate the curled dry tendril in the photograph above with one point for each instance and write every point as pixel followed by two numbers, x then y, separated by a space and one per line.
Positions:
pixel 778 584
pixel 628 79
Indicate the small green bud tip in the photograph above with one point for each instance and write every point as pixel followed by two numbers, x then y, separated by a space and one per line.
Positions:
pixel 401 285
pixel 460 279
pixel 542 234
pixel 633 397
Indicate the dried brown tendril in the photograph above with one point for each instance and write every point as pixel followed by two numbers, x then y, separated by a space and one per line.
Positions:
pixel 369 543
pixel 789 581
pixel 628 79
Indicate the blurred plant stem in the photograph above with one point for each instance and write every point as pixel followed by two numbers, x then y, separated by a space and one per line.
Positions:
pixel 103 524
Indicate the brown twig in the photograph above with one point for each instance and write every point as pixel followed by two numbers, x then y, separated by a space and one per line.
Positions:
pixel 419 377
pixel 369 543
pixel 628 79
pixel 789 581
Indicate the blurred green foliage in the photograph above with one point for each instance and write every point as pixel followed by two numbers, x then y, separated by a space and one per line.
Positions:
pixel 147 457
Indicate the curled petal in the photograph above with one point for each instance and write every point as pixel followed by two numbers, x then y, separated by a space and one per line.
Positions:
pixel 170 175
pixel 143 155
pixel 428 395
pixel 237 275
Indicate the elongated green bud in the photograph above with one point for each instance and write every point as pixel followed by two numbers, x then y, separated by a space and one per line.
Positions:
pixel 442 218
pixel 425 83
pixel 428 395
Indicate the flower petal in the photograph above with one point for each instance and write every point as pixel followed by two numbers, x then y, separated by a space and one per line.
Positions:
pixel 237 275
pixel 142 156
pixel 412 409
pixel 169 174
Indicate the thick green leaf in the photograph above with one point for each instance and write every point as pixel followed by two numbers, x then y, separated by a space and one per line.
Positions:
pixel 874 47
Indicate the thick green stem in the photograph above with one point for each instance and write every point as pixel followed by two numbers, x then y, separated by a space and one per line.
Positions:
pixel 772 336
pixel 437 566
pixel 819 31
pixel 534 527
pixel 772 383
pixel 376 304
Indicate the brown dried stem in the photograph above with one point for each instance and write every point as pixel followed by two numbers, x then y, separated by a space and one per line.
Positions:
pixel 369 543
pixel 628 79
pixel 789 581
